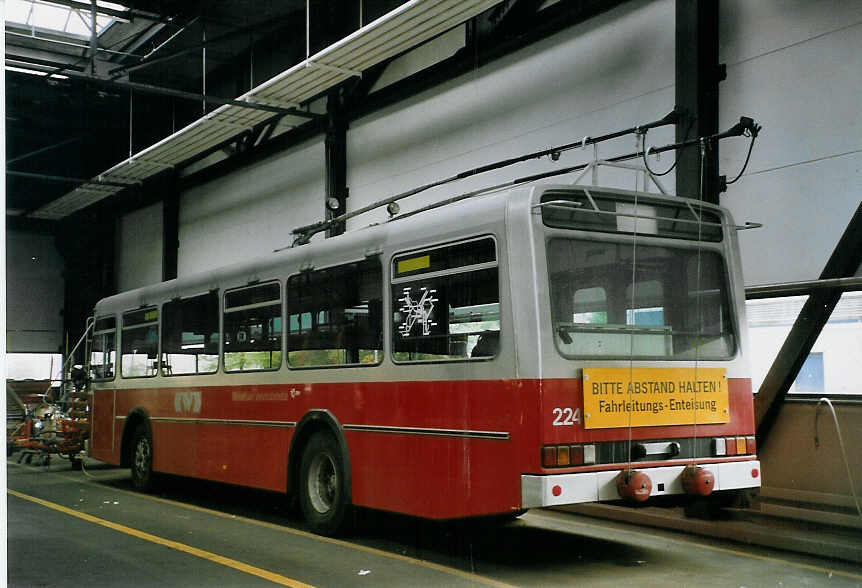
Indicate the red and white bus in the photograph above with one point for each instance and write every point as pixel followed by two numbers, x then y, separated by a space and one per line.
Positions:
pixel 546 345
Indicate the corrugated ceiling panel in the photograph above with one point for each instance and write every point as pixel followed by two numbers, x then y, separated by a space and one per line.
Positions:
pixel 395 32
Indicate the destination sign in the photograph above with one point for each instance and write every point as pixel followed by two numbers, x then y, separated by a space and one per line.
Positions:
pixel 651 397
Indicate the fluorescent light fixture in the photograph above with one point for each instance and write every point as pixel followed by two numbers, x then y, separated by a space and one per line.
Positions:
pixel 34 72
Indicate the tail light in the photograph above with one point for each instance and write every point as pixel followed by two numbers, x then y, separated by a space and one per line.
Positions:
pixel 729 446
pixel 555 456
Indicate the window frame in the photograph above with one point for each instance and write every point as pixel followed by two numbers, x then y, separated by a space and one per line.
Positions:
pixel 716 248
pixel 113 330
pixel 282 312
pixel 123 329
pixel 476 267
pixel 288 313
pixel 162 334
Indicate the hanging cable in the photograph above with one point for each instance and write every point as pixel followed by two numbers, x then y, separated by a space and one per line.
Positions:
pixel 828 403
pixel 698 313
pixel 753 135
pixel 646 152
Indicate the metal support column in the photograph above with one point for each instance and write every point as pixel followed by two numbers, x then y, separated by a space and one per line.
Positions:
pixel 87 243
pixel 844 262
pixel 336 162
pixel 697 76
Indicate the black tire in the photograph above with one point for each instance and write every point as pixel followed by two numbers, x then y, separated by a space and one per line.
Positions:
pixel 142 459
pixel 322 486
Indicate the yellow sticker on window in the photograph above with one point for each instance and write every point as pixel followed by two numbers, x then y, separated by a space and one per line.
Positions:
pixel 648 397
pixel 413 264
pixel 151 315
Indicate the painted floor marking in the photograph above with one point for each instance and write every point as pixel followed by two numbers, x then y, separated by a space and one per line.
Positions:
pixel 213 557
pixel 474 578
pixel 716 548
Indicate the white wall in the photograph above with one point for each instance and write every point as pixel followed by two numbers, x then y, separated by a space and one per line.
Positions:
pixel 251 212
pixel 34 293
pixel 795 67
pixel 609 73
pixel 139 254
pixel 613 72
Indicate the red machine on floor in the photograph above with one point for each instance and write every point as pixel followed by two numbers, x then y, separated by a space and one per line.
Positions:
pixel 51 426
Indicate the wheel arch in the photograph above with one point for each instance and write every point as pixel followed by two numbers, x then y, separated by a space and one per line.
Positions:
pixel 135 417
pixel 313 422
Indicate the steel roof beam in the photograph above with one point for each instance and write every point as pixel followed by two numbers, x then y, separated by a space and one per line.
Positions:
pixel 150 89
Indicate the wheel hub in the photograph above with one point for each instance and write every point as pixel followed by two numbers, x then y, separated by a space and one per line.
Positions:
pixel 322 483
pixel 142 457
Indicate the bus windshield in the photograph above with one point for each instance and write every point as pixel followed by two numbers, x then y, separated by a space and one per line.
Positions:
pixel 673 304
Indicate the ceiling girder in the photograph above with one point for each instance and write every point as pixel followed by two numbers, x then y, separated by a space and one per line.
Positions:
pixel 150 89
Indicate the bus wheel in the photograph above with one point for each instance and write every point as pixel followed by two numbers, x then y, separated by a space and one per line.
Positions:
pixel 142 459
pixel 322 492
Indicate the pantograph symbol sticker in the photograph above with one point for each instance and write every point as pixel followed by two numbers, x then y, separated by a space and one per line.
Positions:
pixel 417 311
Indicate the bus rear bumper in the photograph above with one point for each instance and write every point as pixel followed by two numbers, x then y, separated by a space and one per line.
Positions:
pixel 558 489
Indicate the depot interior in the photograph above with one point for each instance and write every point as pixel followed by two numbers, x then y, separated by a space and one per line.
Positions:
pixel 91 210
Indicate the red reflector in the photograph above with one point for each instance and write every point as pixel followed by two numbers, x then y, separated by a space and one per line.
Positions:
pixel 549 456
pixel 751 445
pixel 755 472
pixel 730 445
pixel 556 490
pixel 577 455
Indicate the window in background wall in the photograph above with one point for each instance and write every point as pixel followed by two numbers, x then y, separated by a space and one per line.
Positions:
pixel 834 365
pixel 32 366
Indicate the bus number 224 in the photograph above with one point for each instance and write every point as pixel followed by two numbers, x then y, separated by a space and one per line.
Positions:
pixel 564 417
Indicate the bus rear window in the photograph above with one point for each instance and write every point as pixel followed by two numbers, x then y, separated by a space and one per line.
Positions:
pixel 674 305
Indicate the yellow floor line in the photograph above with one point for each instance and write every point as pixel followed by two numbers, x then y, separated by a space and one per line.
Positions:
pixel 476 579
pixel 215 558
pixel 726 550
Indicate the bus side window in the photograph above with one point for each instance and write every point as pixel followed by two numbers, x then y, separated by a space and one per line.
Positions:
pixel 190 335
pixel 446 303
pixel 335 316
pixel 103 352
pixel 252 328
pixel 139 355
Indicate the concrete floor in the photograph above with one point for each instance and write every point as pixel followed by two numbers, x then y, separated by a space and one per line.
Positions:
pixel 72 528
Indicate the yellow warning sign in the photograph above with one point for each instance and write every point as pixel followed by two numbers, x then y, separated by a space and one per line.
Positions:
pixel 650 397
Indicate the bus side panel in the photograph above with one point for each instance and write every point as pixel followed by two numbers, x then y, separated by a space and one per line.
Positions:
pixel 102 439
pixel 234 454
pixel 439 449
pixel 442 475
pixel 200 432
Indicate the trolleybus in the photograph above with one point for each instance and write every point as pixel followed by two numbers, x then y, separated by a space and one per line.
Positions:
pixel 539 346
